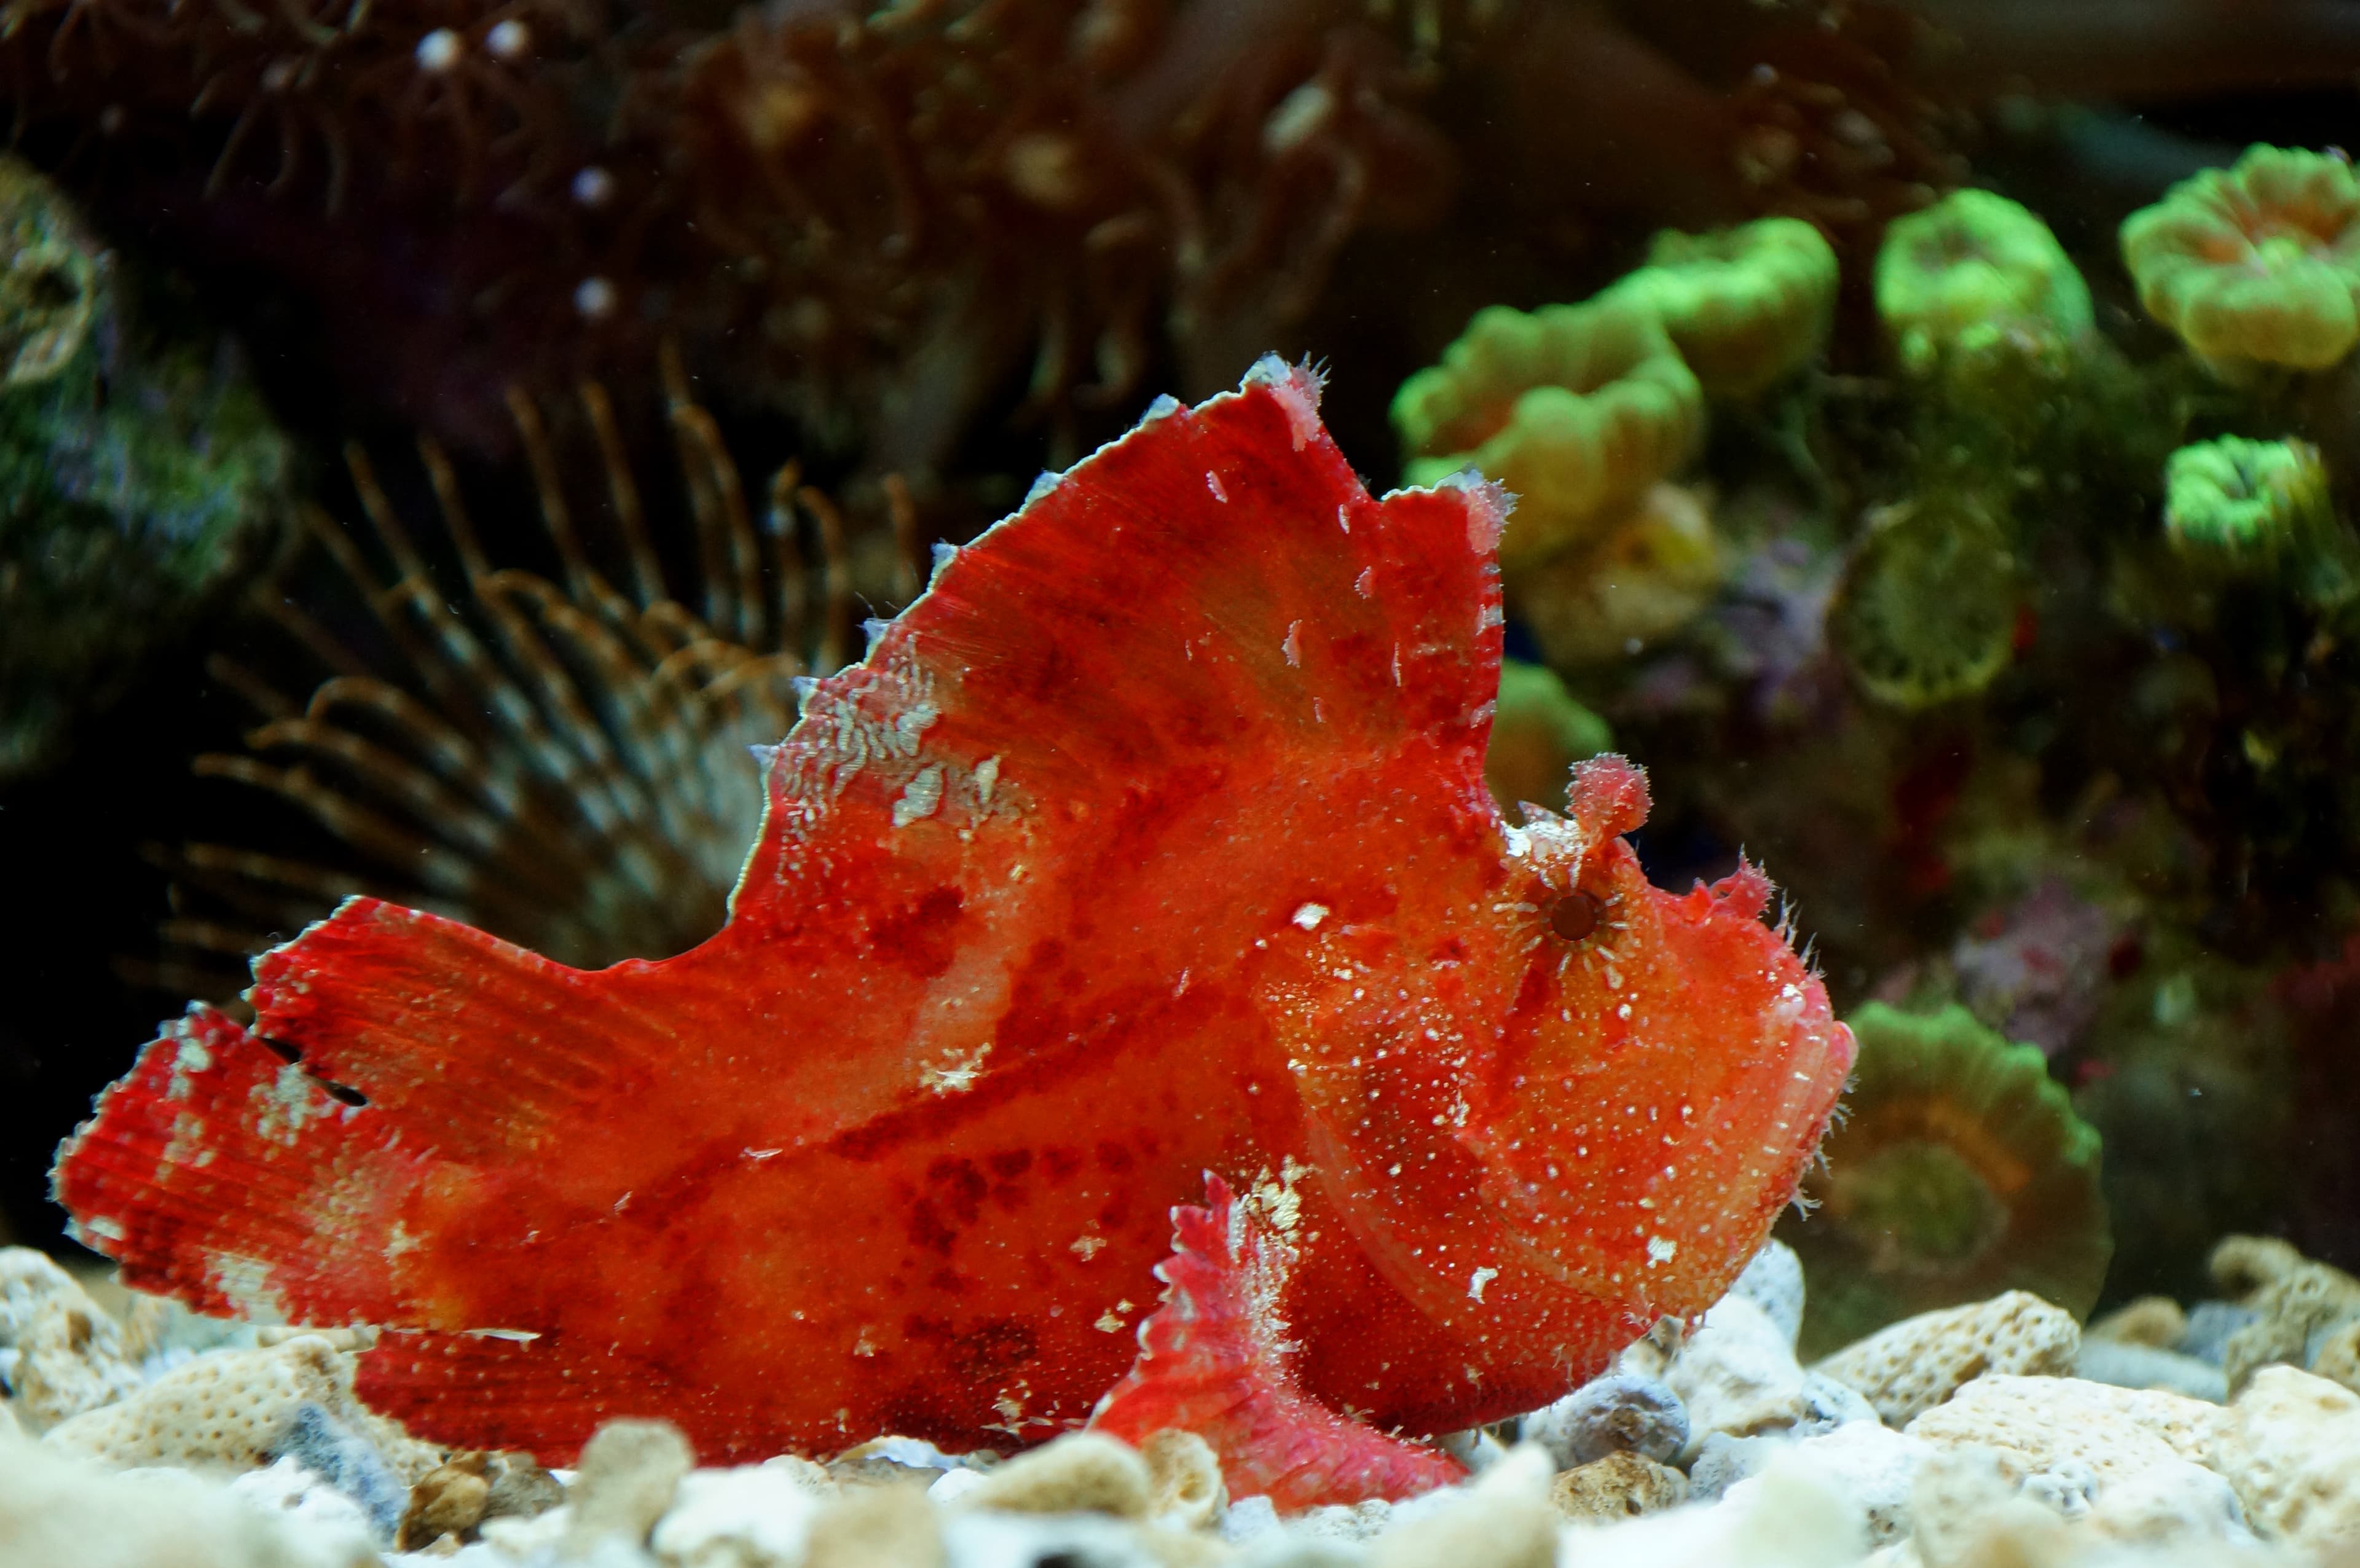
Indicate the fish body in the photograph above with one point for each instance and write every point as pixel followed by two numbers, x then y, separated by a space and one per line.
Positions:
pixel 1151 842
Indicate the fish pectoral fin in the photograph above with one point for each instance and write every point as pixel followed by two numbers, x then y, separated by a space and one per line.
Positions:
pixel 1212 1360
pixel 542 1394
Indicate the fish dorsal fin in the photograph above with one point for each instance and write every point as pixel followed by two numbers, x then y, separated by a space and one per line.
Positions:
pixel 1214 591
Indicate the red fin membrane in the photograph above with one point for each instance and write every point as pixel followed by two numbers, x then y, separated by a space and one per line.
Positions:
pixel 215 1167
pixel 1213 1359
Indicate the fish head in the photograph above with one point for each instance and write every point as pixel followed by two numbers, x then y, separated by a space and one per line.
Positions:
pixel 1627 1090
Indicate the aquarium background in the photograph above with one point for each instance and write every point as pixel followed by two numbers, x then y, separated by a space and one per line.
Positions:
pixel 1907 608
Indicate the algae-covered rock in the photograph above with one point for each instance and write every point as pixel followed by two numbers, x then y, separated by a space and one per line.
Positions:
pixel 138 474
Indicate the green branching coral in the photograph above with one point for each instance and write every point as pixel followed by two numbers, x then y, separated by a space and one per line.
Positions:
pixel 1746 306
pixel 2255 265
pixel 1577 408
pixel 1927 610
pixel 1959 1171
pixel 137 476
pixel 1538 733
pixel 1973 270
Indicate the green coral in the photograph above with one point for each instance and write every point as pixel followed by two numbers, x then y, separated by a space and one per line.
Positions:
pixel 1927 610
pixel 1746 306
pixel 1959 1171
pixel 2258 264
pixel 136 477
pixel 1644 581
pixel 1579 410
pixel 1973 272
pixel 2255 508
pixel 1538 733
pixel 2244 501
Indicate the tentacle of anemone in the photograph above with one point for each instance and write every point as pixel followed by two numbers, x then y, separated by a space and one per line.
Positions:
pixel 563 760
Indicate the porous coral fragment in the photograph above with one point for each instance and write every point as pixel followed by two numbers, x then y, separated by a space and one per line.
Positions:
pixel 1578 410
pixel 2258 264
pixel 1973 268
pixel 1959 1171
pixel 1746 306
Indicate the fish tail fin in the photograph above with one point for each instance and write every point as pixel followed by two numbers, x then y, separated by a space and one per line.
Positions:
pixel 210 1171
pixel 264 1173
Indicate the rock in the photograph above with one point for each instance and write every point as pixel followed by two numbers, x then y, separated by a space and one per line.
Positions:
pixel 347 1461
pixel 755 1516
pixel 2336 1357
pixel 2289 1443
pixel 521 1487
pixel 237 1410
pixel 1622 1484
pixel 2296 1303
pixel 1908 1367
pixel 2155 1321
pixel 1870 1467
pixel 450 1500
pixel 2172 1503
pixel 2130 1364
pixel 1722 1461
pixel 869 1526
pixel 2209 1326
pixel 1784 1517
pixel 302 1497
pixel 1736 1373
pixel 629 1478
pixel 1963 1503
pixel 61 1510
pixel 1081 1472
pixel 65 1355
pixel 989 1538
pixel 1774 1281
pixel 1184 1475
pixel 1501 1520
pixel 2053 1426
pixel 1619 1412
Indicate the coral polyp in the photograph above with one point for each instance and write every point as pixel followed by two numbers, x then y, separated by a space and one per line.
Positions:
pixel 1958 1171
pixel 1973 268
pixel 2245 503
pixel 1746 306
pixel 1578 410
pixel 2255 264
pixel 1927 610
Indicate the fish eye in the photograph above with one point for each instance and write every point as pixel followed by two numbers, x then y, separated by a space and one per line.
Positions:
pixel 1576 915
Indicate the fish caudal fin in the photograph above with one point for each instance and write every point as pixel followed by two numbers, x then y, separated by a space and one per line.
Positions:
pixel 1213 1360
pixel 265 1172
pixel 210 1169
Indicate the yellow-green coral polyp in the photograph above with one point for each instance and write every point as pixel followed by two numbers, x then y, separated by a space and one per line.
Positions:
pixel 1576 409
pixel 1746 306
pixel 1958 1171
pixel 2240 501
pixel 1975 269
pixel 2256 264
